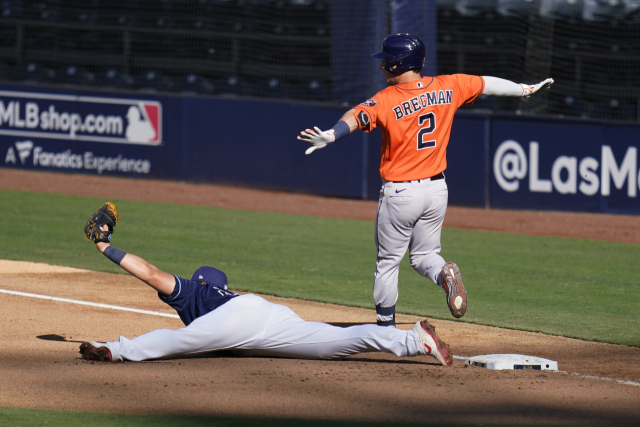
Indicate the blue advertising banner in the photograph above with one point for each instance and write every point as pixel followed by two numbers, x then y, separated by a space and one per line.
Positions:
pixel 467 157
pixel 83 133
pixel 245 142
pixel 254 143
pixel 494 160
pixel 565 165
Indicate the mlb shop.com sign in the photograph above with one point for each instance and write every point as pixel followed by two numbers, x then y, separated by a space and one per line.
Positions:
pixel 80 118
pixel 569 174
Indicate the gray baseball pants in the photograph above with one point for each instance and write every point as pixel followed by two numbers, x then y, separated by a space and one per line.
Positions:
pixel 410 216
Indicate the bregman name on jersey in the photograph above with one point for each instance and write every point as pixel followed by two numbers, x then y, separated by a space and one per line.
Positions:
pixel 421 101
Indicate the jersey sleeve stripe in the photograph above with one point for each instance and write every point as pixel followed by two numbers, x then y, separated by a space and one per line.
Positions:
pixel 179 289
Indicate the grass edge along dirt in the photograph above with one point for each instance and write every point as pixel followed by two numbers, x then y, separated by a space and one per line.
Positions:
pixel 39 417
pixel 553 285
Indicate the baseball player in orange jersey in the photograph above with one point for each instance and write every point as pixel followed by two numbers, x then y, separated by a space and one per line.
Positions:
pixel 415 114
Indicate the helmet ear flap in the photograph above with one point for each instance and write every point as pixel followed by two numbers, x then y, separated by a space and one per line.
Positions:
pixel 392 66
pixel 404 52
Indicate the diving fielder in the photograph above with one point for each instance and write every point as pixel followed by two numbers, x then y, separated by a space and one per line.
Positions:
pixel 218 319
pixel 415 114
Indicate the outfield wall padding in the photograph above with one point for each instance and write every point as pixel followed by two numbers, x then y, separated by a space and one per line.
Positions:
pixel 494 160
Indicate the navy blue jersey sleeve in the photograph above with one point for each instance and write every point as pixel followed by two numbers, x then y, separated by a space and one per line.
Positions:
pixel 193 299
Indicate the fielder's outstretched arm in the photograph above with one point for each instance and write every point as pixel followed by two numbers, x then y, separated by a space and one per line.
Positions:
pixel 139 268
pixel 320 139
pixel 501 87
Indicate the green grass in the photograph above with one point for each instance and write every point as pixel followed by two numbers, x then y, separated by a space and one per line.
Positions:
pixel 18 417
pixel 572 287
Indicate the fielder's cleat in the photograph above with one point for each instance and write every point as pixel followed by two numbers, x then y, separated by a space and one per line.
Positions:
pixel 91 350
pixel 433 345
pixel 453 287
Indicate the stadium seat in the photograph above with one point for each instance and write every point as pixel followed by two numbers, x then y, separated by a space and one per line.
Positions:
pixel 520 8
pixel 632 12
pixel 615 109
pixel 10 9
pixel 308 11
pixel 73 75
pixel 193 84
pixel 191 14
pixel 232 86
pixel 603 10
pixel 78 11
pixel 121 13
pixel 312 90
pixel 271 10
pixel 272 88
pixel 113 79
pixel 34 73
pixel 152 13
pixel 484 102
pixel 152 81
pixel 446 4
pixel 475 7
pixel 153 44
pixel 572 106
pixel 235 8
pixel 45 12
pixel 561 8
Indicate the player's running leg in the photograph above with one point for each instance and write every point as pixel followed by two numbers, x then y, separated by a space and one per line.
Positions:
pixel 397 214
pixel 425 249
pixel 425 240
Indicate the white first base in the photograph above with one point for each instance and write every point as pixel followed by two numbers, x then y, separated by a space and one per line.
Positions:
pixel 512 361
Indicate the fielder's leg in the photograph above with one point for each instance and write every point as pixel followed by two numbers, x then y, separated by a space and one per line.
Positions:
pixel 287 335
pixel 239 323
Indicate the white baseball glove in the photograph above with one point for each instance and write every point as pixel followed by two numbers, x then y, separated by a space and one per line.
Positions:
pixel 318 138
pixel 531 89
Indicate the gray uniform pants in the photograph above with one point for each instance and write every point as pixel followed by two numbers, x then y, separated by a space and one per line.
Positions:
pixel 410 215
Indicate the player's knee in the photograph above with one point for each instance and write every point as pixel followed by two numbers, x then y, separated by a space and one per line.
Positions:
pixel 426 265
pixel 416 263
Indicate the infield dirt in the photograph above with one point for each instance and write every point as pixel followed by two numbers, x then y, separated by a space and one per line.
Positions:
pixel 40 366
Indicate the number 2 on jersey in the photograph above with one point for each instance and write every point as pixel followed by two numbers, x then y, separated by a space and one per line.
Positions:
pixel 426 130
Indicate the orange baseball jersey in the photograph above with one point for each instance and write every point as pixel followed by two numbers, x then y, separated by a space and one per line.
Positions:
pixel 415 119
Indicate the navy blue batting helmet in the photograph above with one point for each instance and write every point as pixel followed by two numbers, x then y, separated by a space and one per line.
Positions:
pixel 404 52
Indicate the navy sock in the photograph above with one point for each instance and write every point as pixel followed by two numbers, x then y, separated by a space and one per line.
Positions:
pixel 386 316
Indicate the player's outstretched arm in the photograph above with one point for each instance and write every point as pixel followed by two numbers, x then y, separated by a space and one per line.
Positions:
pixel 501 87
pixel 99 229
pixel 319 139
pixel 141 269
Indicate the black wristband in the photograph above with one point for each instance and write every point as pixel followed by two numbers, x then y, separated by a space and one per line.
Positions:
pixel 114 254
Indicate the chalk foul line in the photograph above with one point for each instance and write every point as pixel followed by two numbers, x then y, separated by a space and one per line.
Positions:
pixel 92 304
pixel 574 374
pixel 158 313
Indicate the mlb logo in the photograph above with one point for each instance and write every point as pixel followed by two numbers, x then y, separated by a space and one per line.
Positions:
pixel 144 123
